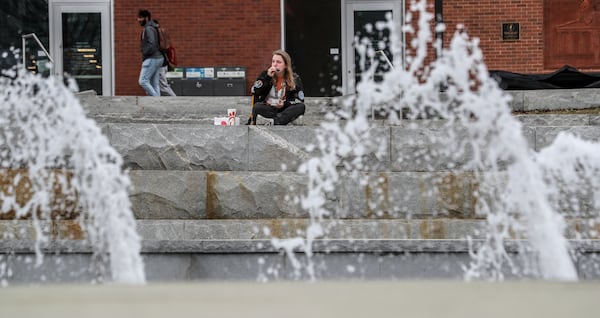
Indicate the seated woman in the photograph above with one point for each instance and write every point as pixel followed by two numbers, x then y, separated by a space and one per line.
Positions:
pixel 278 95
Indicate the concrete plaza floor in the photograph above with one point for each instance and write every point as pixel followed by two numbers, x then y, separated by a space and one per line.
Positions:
pixel 303 299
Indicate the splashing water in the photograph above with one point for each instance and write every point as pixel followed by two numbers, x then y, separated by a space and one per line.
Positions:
pixel 47 142
pixel 520 193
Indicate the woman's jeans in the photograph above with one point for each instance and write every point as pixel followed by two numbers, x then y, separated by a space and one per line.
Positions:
pixel 150 75
pixel 281 116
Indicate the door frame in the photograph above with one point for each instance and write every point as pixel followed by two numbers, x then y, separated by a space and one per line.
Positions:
pixel 348 8
pixel 105 8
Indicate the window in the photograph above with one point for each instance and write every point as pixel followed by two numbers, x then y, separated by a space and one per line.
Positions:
pixel 19 17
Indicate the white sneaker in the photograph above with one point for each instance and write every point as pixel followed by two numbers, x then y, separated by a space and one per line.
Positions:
pixel 299 121
pixel 264 121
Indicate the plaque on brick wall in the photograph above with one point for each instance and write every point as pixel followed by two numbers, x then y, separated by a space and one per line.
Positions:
pixel 571 32
pixel 510 31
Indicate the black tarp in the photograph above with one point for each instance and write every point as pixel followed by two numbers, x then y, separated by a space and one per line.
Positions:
pixel 565 77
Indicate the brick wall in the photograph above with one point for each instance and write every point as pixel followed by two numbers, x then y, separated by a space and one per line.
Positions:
pixel 245 32
pixel 206 33
pixel 484 18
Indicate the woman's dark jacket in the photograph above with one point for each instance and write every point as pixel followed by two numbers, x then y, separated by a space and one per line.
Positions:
pixel 263 85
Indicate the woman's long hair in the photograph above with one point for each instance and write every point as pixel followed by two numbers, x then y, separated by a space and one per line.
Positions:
pixel 289 73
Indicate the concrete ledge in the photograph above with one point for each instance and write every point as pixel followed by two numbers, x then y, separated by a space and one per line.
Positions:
pixel 201 109
pixel 180 109
pixel 265 246
pixel 257 260
pixel 265 229
pixel 561 99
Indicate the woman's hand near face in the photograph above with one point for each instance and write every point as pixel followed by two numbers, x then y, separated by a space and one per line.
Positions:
pixel 278 66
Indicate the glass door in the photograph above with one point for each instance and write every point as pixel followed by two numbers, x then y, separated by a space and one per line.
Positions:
pixel 80 44
pixel 361 19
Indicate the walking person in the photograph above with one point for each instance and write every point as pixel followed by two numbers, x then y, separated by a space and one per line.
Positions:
pixel 163 83
pixel 278 93
pixel 152 57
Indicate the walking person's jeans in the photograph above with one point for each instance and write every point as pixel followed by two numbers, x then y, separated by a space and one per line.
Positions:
pixel 164 83
pixel 150 74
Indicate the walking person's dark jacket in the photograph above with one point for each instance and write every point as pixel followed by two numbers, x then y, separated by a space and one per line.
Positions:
pixel 150 45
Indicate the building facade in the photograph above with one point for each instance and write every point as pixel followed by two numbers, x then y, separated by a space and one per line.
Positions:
pixel 97 41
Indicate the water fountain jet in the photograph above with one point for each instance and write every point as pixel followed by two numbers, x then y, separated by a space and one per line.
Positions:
pixel 516 186
pixel 54 158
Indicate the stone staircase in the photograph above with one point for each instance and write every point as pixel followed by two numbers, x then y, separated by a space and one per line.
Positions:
pixel 208 199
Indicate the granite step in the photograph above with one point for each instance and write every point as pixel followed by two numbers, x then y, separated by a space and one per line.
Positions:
pixel 260 230
pixel 227 250
pixel 195 195
pixel 147 146
pixel 203 109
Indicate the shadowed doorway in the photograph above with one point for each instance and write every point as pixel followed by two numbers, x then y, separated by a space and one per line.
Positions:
pixel 313 39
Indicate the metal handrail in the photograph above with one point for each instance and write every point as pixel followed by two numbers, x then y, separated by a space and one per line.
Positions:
pixel 386 58
pixel 391 66
pixel 32 35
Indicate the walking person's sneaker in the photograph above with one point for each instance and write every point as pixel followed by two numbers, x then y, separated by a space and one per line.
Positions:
pixel 263 121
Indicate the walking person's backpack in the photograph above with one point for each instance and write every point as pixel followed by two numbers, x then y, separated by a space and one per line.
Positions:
pixel 164 40
pixel 166 47
pixel 171 56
